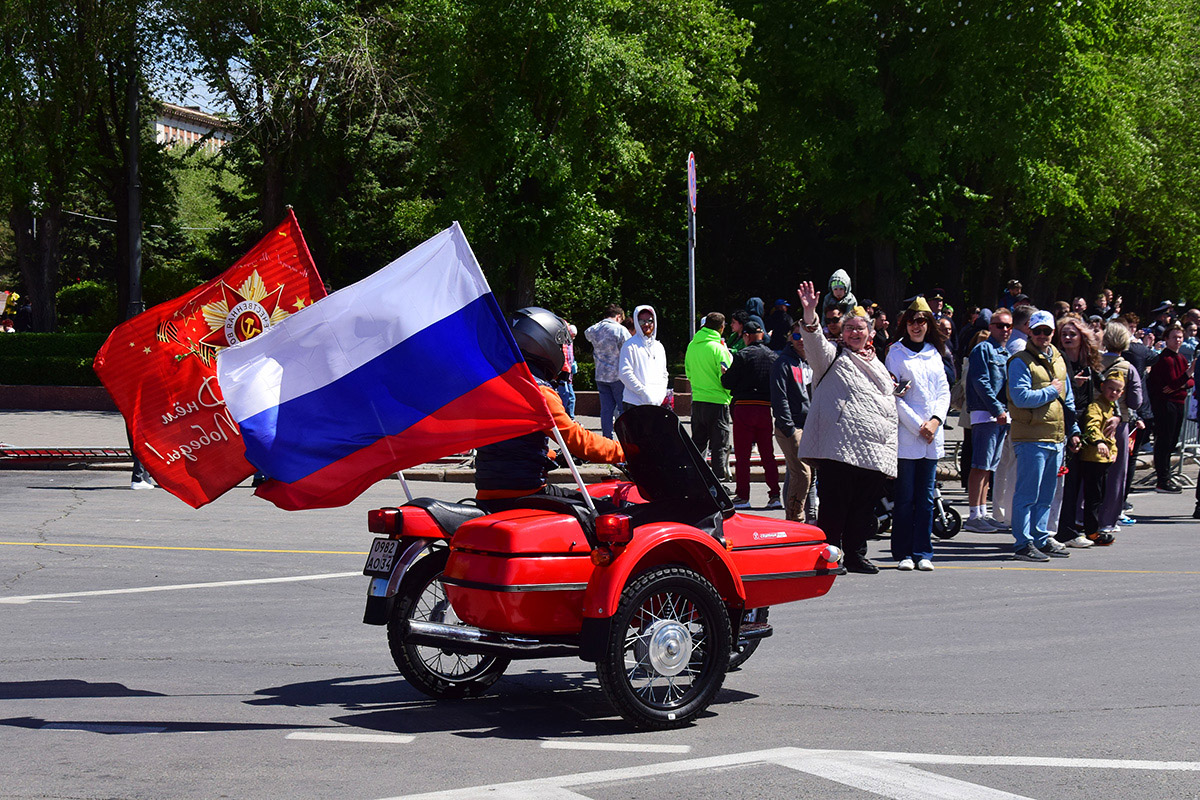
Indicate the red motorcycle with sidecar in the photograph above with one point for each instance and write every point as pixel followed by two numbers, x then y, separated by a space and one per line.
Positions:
pixel 657 580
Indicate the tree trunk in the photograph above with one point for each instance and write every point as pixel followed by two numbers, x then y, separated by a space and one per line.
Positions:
pixel 887 292
pixel 272 205
pixel 1033 285
pixel 38 258
pixel 524 281
pixel 955 261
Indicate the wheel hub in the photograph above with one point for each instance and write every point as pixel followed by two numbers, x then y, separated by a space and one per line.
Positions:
pixel 668 647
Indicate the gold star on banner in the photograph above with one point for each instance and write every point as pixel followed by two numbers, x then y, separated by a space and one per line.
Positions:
pixel 299 304
pixel 133 344
pixel 146 350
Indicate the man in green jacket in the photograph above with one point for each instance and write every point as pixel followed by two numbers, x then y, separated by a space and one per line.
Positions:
pixel 706 360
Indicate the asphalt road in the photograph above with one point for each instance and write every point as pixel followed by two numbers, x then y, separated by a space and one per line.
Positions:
pixel 984 679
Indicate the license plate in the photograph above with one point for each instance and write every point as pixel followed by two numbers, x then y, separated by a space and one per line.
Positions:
pixel 382 557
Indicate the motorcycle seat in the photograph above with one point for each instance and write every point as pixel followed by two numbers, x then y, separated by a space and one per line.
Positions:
pixel 448 516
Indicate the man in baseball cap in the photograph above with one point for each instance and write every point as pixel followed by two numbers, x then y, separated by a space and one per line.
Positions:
pixel 1039 395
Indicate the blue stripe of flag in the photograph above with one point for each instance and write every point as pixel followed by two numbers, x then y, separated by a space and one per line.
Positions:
pixel 383 397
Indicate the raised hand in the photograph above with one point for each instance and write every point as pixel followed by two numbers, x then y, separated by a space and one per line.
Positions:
pixel 808 296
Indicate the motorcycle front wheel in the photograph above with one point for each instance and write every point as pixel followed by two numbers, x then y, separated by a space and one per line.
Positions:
pixel 432 670
pixel 668 649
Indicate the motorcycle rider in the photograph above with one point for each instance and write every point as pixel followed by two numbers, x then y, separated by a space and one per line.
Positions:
pixel 517 467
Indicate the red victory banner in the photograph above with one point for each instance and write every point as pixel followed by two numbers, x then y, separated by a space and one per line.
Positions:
pixel 160 366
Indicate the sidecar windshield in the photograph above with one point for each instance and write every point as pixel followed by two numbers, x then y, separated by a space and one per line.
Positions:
pixel 665 464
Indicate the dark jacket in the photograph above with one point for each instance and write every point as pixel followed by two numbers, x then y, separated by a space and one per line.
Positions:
pixel 779 326
pixel 748 378
pixel 1141 356
pixel 1168 379
pixel 789 395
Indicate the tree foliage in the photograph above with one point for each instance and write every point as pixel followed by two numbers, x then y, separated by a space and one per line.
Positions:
pixel 914 143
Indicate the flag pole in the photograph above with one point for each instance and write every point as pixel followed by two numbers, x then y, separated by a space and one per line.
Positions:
pixel 562 448
pixel 404 483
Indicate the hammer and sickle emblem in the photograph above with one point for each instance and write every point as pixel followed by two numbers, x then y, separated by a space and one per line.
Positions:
pixel 250 327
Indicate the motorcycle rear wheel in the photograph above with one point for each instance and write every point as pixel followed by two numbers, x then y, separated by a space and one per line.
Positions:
pixel 742 650
pixel 431 670
pixel 668 650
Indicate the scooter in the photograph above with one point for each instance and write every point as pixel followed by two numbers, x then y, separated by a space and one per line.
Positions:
pixel 656 580
pixel 947 521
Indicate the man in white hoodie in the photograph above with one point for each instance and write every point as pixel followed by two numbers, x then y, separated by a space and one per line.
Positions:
pixel 643 363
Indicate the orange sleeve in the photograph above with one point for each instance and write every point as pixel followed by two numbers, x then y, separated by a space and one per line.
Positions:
pixel 581 442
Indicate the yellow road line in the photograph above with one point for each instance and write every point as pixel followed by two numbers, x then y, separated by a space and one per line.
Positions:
pixel 204 549
pixel 1069 569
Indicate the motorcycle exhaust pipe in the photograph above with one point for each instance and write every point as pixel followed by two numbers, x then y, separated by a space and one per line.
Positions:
pixel 465 640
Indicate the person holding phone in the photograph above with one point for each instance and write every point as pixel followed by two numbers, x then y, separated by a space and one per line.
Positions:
pixel 922 402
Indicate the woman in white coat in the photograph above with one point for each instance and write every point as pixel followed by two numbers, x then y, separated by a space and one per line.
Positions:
pixel 915 360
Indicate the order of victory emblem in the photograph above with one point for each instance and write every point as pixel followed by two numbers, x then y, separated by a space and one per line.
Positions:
pixel 242 313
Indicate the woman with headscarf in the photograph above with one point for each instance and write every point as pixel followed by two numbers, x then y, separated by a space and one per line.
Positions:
pixel 850 433
pixel 922 401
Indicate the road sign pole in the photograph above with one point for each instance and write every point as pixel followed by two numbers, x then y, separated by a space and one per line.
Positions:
pixel 691 172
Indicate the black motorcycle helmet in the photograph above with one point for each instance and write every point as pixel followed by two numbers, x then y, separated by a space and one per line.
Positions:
pixel 541 335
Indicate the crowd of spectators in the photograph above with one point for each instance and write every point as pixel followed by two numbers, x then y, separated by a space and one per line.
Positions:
pixel 1055 403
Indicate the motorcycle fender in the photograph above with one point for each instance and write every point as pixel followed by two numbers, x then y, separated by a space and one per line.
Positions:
pixel 655 545
pixel 381 594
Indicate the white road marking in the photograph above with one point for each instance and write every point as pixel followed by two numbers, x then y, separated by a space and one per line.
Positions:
pixel 881 773
pixel 214 585
pixel 1036 761
pixel 379 738
pixel 891 779
pixel 102 727
pixel 618 747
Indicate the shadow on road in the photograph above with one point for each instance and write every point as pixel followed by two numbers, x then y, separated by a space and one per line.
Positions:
pixel 532 705
pixel 41 690
pixel 127 727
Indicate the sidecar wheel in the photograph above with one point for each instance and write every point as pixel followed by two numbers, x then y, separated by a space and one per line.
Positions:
pixel 668 650
pixel 430 669
pixel 742 650
pixel 947 527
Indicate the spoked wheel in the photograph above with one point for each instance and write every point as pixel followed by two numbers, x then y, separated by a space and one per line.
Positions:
pixel 947 524
pixel 432 670
pixel 743 649
pixel 668 650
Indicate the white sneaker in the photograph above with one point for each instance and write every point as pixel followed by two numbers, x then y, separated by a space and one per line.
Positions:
pixel 141 485
pixel 1080 541
pixel 979 525
pixel 925 565
pixel 905 565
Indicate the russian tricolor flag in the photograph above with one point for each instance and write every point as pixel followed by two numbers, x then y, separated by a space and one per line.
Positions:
pixel 408 365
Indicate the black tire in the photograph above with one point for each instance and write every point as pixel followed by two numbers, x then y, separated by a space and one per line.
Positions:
pixel 668 650
pixel 431 670
pixel 947 526
pixel 742 650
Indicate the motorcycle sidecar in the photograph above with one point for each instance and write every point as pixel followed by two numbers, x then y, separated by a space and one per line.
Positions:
pixel 654 592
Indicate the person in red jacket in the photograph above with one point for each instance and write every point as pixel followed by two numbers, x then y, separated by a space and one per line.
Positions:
pixel 518 467
pixel 1167 386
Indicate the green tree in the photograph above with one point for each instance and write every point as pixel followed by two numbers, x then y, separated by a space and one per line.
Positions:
pixel 559 130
